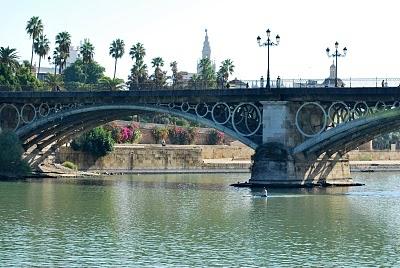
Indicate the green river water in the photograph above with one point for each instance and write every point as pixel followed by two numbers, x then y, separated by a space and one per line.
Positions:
pixel 188 220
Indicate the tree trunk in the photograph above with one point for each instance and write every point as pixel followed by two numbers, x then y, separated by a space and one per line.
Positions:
pixel 115 67
pixel 33 46
pixel 37 75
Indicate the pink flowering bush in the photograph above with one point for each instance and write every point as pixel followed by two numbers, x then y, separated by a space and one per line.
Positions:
pixel 216 137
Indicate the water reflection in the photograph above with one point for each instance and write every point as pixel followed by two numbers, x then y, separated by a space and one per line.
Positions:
pixel 197 220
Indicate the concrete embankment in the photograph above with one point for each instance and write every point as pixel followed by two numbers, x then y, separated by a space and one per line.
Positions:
pixel 201 158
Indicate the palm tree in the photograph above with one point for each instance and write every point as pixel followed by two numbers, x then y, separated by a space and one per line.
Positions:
pixel 112 84
pixel 226 69
pixel 54 81
pixel 42 47
pixel 137 52
pixel 9 57
pixel 34 28
pixel 117 50
pixel 157 62
pixel 139 69
pixel 63 40
pixel 159 75
pixel 87 51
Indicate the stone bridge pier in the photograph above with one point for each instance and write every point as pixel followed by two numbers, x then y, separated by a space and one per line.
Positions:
pixel 275 162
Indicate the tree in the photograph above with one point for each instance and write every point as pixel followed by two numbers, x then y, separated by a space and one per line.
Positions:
pixel 159 75
pixel 26 78
pixel 98 142
pixel 9 57
pixel 137 52
pixel 225 70
pixel 88 73
pixel 139 69
pixel 87 51
pixel 54 81
pixel 117 50
pixel 207 73
pixel 63 40
pixel 42 47
pixel 11 163
pixel 34 28
pixel 111 84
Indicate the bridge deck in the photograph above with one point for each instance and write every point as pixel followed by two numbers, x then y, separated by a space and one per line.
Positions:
pixel 372 94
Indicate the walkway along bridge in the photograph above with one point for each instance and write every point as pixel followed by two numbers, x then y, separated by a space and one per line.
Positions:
pixel 300 135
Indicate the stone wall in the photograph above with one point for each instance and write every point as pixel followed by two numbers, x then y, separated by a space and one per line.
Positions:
pixel 373 155
pixel 155 157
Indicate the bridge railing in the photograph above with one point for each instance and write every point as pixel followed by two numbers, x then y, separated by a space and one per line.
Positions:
pixel 233 84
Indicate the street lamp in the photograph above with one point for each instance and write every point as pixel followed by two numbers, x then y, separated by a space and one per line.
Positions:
pixel 336 55
pixel 55 65
pixel 267 44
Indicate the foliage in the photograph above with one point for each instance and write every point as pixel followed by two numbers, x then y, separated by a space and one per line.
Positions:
pixel 41 47
pixel 8 79
pixel 26 79
pixel 9 58
pixel 107 83
pixel 225 70
pixel 70 165
pixel 384 141
pixel 34 28
pixel 117 50
pixel 20 79
pixel 177 77
pixel 126 134
pixel 138 75
pixel 159 78
pixel 130 134
pixel 87 51
pixel 11 151
pixel 179 135
pixel 193 133
pixel 207 73
pixel 63 40
pixel 88 73
pixel 160 133
pixel 215 137
pixel 98 142
pixel 54 81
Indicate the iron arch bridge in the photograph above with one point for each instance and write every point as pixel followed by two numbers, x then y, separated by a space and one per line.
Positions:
pixel 44 127
pixel 318 120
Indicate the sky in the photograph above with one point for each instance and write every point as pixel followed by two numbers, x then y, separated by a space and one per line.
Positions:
pixel 174 30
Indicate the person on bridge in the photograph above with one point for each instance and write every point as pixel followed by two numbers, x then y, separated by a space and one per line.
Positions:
pixel 262 82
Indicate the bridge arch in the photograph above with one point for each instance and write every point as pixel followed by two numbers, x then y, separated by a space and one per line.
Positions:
pixel 348 136
pixel 46 134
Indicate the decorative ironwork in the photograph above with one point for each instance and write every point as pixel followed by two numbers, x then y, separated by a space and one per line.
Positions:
pixel 313 118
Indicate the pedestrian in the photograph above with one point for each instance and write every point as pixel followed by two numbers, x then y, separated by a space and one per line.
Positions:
pixel 262 82
pixel 383 83
pixel 227 85
pixel 247 85
pixel 278 82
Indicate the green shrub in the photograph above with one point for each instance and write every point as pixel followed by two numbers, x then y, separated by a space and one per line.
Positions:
pixel 98 142
pixel 11 151
pixel 70 165
pixel 160 133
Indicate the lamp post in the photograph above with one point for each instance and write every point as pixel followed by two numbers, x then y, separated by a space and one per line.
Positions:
pixel 267 44
pixel 55 65
pixel 336 55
